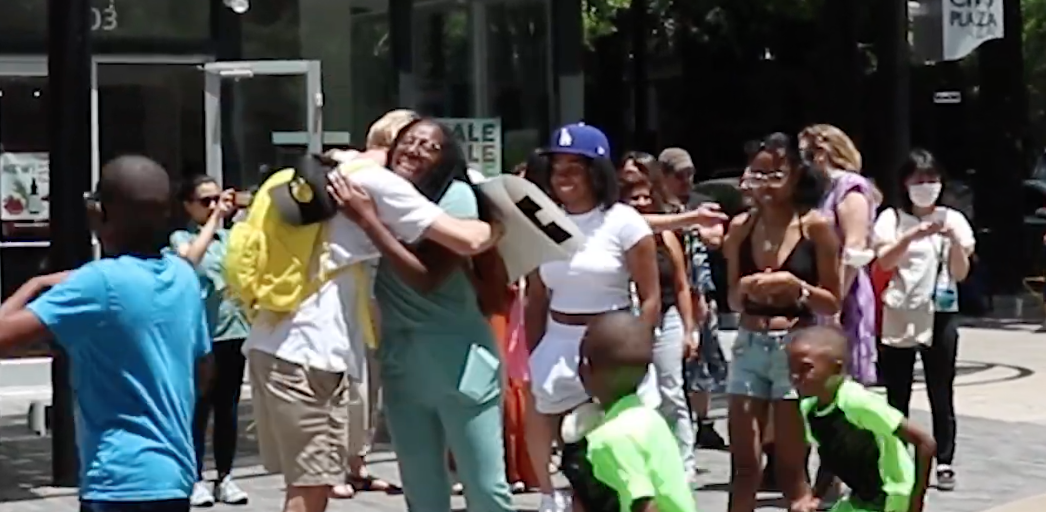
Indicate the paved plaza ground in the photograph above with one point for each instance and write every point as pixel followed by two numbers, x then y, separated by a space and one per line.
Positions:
pixel 1001 454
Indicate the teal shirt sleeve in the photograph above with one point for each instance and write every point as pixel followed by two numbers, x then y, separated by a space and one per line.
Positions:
pixel 622 467
pixel 460 201
pixel 180 237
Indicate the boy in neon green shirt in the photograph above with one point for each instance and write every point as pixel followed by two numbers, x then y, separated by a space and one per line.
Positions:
pixel 628 461
pixel 861 439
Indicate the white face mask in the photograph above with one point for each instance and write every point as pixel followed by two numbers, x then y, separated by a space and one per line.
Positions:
pixel 924 195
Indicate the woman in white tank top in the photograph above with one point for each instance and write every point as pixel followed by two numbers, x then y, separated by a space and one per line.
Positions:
pixel 563 296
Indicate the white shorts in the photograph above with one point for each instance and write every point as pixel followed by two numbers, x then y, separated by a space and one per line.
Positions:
pixel 554 377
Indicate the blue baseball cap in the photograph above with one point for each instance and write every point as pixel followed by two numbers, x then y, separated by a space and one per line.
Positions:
pixel 579 139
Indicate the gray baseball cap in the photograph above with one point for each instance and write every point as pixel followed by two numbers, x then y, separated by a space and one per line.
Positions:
pixel 676 160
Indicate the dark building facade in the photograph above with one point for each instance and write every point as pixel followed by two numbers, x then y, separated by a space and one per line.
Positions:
pixel 203 88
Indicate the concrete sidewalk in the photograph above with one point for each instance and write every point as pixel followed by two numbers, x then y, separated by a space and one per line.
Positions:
pixel 1001 454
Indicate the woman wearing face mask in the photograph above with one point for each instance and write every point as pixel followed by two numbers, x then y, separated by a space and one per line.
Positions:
pixel 439 360
pixel 563 296
pixel 202 243
pixel 783 271
pixel 850 206
pixel 928 247
pixel 674 339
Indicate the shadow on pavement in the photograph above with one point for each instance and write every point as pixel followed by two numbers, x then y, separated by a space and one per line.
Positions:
pixel 25 459
pixel 1006 324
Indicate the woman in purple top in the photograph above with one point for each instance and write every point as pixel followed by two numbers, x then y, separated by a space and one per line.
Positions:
pixel 850 205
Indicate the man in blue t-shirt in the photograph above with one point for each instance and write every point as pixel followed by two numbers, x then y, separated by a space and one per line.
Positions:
pixel 134 329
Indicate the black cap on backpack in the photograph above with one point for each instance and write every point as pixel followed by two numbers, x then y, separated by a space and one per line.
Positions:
pixel 304 199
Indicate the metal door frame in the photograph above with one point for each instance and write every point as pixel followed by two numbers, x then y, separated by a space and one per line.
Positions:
pixel 216 71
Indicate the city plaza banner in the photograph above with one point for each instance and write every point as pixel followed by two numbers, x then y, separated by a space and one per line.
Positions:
pixel 480 138
pixel 943 30
pixel 536 230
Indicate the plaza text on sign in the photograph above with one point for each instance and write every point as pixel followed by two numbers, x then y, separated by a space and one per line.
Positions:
pixel 973 13
pixel 969 23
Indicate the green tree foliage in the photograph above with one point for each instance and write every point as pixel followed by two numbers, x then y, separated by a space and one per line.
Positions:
pixel 1034 32
pixel 717 22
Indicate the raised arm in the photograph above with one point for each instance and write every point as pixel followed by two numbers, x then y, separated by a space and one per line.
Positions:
pixel 19 325
pixel 424 270
pixel 410 216
pixel 193 248
pixel 466 237
pixel 706 215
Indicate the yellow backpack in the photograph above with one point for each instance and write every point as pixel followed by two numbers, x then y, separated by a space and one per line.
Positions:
pixel 273 265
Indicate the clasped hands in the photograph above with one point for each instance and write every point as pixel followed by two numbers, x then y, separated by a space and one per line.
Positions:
pixel 771 287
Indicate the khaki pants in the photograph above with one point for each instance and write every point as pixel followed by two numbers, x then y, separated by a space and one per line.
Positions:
pixel 301 415
pixel 364 408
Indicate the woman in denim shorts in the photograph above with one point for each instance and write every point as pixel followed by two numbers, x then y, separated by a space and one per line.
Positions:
pixel 783 271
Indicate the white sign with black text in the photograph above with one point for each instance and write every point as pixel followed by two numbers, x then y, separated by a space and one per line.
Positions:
pixel 536 229
pixel 968 24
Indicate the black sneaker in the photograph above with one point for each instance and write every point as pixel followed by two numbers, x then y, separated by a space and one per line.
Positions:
pixel 945 478
pixel 708 439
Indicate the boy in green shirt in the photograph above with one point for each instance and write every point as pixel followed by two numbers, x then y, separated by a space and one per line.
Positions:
pixel 861 438
pixel 628 461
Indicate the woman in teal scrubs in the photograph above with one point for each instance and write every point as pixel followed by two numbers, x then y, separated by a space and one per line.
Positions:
pixel 202 243
pixel 439 362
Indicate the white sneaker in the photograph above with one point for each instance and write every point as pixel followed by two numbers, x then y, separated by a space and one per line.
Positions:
pixel 555 502
pixel 229 493
pixel 201 496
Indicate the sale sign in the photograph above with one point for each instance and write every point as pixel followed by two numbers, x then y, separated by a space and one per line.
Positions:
pixel 480 139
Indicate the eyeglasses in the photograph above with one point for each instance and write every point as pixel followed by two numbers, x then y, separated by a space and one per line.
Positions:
pixel 207 201
pixel 767 176
pixel 91 199
pixel 426 145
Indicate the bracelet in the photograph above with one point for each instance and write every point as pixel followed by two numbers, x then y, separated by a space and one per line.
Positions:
pixel 804 294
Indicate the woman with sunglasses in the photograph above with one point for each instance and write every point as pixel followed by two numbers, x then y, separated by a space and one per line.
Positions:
pixel 783 271
pixel 202 243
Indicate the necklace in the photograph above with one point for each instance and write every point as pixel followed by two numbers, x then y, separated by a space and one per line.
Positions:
pixel 769 245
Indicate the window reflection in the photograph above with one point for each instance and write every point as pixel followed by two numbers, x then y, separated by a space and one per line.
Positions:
pixel 24 159
pixel 374 86
pixel 24 185
pixel 154 20
pixel 519 65
pixel 442 59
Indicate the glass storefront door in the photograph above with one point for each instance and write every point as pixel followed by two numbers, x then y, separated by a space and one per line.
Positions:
pixel 274 116
pixel 152 106
pixel 24 177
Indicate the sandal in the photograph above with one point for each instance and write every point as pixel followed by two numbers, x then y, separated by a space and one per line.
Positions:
pixel 371 483
pixel 343 492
